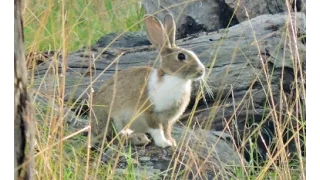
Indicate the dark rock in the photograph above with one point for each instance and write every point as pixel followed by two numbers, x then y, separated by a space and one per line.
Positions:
pixel 130 39
pixel 252 8
pixel 190 16
pixel 198 16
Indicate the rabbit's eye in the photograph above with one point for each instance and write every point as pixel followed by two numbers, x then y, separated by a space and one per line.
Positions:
pixel 181 57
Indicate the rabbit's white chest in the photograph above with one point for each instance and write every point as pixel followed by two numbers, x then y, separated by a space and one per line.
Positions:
pixel 168 92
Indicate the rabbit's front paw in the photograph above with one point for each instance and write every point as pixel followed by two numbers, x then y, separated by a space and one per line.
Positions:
pixel 173 141
pixel 163 143
pixel 159 138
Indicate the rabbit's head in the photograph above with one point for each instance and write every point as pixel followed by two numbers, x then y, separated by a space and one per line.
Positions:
pixel 174 60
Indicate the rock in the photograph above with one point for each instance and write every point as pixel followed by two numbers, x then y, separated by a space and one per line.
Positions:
pixel 208 15
pixel 131 39
pixel 196 149
pixel 146 158
pixel 192 16
pixel 252 8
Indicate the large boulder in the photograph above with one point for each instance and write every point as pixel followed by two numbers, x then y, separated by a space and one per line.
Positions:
pixel 209 15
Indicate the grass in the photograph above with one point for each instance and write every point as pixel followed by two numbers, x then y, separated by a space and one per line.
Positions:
pixel 66 26
pixel 84 22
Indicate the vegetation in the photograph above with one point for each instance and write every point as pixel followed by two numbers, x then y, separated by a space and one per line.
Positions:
pixel 65 26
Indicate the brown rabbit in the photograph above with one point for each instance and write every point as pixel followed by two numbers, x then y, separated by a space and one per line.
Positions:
pixel 148 100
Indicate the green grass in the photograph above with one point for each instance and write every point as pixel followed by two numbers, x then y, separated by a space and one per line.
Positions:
pixel 70 25
pixel 84 21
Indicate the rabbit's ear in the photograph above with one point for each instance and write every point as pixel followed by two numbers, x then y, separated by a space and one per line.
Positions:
pixel 170 27
pixel 155 31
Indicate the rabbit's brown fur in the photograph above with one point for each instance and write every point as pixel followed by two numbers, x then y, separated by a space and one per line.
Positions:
pixel 144 99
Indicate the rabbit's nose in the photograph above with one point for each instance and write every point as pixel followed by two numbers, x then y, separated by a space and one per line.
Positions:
pixel 201 70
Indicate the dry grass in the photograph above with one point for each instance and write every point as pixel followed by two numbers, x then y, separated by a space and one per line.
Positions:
pixel 66 26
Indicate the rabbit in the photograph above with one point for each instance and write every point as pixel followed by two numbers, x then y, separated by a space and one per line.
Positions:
pixel 145 99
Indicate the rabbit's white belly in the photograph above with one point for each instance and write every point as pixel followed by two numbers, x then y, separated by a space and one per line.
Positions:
pixel 168 92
